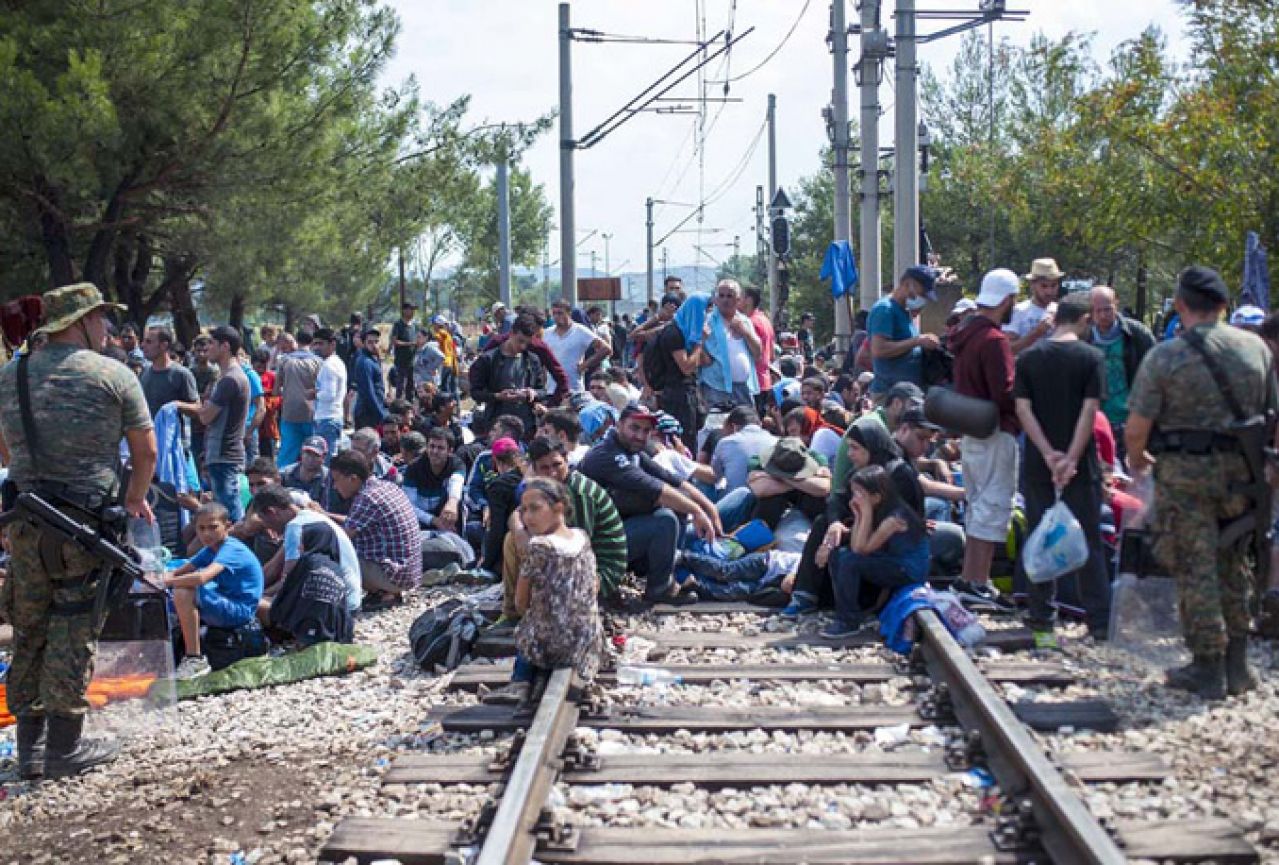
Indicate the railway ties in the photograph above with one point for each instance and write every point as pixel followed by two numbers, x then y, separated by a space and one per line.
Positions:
pixel 1040 818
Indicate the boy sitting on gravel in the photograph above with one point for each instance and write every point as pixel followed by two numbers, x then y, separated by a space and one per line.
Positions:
pixel 220 586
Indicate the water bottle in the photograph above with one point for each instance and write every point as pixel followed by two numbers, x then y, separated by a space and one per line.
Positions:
pixel 644 676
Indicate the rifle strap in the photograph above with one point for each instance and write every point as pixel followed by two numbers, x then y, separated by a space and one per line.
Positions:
pixel 1195 340
pixel 24 410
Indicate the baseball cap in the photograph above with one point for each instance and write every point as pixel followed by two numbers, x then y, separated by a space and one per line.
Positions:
pixel 963 305
pixel 503 446
pixel 439 319
pixel 1248 316
pixel 495 307
pixel 914 415
pixel 668 424
pixel 905 390
pixel 925 276
pixel 997 285
pixel 639 412
pixel 317 445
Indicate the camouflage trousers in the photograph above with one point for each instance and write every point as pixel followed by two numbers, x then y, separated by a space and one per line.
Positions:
pixel 52 653
pixel 1192 497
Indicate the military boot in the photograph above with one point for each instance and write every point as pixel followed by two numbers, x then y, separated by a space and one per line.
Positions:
pixel 1205 676
pixel 30 747
pixel 1240 678
pixel 69 754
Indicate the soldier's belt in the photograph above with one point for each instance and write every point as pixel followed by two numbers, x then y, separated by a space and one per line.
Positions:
pixel 1193 442
pixel 91 504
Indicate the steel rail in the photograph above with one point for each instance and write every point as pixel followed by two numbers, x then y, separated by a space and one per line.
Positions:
pixel 510 839
pixel 1070 835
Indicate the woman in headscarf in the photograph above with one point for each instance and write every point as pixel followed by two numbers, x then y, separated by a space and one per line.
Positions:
pixel 678 354
pixel 868 443
pixel 311 605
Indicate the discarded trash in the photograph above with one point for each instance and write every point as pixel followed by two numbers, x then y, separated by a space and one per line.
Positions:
pixel 646 676
pixel 979 778
pixel 887 737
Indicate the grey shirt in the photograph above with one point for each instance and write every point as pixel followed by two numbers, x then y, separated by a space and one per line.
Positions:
pixel 162 387
pixel 731 460
pixel 224 440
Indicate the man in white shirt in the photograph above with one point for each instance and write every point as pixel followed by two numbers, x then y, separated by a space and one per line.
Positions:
pixel 733 345
pixel 577 348
pixel 1034 318
pixel 330 390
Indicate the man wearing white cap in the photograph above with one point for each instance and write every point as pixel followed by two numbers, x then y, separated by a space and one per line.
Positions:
pixel 984 370
pixel 1032 319
pixel 501 317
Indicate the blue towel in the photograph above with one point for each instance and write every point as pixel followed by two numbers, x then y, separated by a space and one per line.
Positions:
pixel 171 468
pixel 840 267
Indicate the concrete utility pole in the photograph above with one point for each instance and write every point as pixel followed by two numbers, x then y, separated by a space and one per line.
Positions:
pixel 612 304
pixel 761 242
pixel 772 190
pixel 665 267
pixel 568 231
pixel 905 145
pixel 874 45
pixel 648 224
pixel 737 256
pixel 839 141
pixel 503 230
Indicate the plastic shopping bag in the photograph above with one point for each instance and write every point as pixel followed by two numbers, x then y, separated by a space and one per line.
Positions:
pixel 1057 546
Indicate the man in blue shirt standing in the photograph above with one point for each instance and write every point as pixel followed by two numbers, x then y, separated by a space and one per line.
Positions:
pixel 370 389
pixel 896 345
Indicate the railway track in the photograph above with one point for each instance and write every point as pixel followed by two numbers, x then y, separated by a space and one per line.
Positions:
pixel 1038 814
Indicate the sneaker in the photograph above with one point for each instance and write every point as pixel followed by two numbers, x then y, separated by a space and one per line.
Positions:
pixel 674 597
pixel 192 666
pixel 1046 641
pixel 838 629
pixel 800 605
pixel 982 596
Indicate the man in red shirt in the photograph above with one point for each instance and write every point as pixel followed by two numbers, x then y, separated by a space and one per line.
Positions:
pixel 749 304
pixel 984 369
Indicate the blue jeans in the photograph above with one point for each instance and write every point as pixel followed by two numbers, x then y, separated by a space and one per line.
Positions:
pixel 292 435
pixel 735 508
pixel 523 670
pixel 224 479
pixel 330 431
pixel 848 569
pixel 722 580
pixel 740 395
pixel 651 542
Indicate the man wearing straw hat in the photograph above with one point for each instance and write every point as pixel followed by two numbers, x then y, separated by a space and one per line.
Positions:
pixel 1033 318
pixel 63 411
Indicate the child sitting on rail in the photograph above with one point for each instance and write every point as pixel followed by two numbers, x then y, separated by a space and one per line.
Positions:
pixel 220 586
pixel 888 547
pixel 555 594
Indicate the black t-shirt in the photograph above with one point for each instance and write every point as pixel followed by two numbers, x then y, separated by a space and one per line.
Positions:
pixel 406 331
pixel 162 387
pixel 1057 377
pixel 634 481
pixel 431 487
pixel 662 361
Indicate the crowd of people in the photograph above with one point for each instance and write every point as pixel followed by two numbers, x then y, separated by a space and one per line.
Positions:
pixel 324 471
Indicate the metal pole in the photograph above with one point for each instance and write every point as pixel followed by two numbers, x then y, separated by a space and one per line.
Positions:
pixel 737 256
pixel 664 267
pixel 503 231
pixel 870 67
pixel 906 145
pixel 648 224
pixel 761 245
pixel 612 304
pixel 772 190
pixel 839 140
pixel 546 274
pixel 990 113
pixel 568 231
pixel 403 290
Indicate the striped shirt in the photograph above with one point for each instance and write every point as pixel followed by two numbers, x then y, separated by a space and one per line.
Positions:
pixel 595 514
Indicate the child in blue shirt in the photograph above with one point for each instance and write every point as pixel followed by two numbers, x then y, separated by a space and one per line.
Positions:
pixel 220 586
pixel 888 547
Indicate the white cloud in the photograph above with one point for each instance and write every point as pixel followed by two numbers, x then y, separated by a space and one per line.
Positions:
pixel 505 54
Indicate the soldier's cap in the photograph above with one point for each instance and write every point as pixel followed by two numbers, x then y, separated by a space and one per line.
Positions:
pixel 1200 280
pixel 68 304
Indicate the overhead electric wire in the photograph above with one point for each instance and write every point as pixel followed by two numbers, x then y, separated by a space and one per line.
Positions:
pixel 774 52
pixel 723 187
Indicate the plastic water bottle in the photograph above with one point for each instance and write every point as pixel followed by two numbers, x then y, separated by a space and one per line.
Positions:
pixel 644 676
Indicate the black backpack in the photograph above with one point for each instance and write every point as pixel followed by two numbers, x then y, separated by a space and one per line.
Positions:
pixel 657 368
pixel 445 634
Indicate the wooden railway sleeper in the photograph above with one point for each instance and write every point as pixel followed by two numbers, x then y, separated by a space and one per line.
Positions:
pixel 1015 827
pixel 579 756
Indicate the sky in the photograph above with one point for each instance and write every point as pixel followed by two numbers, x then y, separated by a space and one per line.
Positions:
pixel 504 53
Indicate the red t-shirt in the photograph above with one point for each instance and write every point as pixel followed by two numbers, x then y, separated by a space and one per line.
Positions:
pixel 764 330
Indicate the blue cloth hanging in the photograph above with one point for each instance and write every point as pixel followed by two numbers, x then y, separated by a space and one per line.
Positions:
pixel 840 267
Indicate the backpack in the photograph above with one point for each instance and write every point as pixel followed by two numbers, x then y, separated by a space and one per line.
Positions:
pixel 445 634
pixel 656 367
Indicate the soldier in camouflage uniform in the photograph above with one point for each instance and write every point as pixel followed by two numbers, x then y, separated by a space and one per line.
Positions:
pixel 1177 410
pixel 82 403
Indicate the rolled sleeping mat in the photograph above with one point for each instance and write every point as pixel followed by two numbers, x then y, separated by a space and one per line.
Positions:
pixel 966 415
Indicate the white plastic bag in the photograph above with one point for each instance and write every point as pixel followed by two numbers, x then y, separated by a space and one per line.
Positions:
pixel 1057 546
